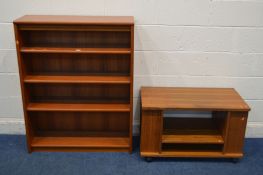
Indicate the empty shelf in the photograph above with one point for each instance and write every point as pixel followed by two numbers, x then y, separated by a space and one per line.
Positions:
pixel 78 79
pixel 211 154
pixel 75 28
pixel 78 107
pixel 84 142
pixel 181 138
pixel 75 50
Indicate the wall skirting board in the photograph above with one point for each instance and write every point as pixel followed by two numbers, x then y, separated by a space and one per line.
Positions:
pixel 16 126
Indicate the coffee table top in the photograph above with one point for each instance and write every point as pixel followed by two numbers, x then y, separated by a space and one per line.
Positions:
pixel 180 98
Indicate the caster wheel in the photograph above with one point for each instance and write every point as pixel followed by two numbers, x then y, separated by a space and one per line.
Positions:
pixel 235 160
pixel 148 159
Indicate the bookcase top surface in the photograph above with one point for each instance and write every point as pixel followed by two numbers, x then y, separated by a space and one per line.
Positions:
pixel 64 19
pixel 179 98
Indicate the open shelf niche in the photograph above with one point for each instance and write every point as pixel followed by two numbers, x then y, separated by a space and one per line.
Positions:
pixel 193 134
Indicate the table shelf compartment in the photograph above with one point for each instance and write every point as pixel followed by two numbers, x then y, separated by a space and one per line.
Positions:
pixel 191 130
pixel 192 148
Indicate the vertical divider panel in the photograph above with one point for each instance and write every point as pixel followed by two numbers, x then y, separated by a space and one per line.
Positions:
pixel 24 91
pixel 151 131
pixel 236 127
pixel 131 84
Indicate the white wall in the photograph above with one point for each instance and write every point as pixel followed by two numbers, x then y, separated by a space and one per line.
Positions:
pixel 213 43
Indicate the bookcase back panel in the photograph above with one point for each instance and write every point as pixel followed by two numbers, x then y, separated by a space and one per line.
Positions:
pixel 77 64
pixel 80 123
pixel 79 93
pixel 186 123
pixel 75 39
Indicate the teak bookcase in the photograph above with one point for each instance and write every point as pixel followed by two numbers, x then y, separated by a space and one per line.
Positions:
pixel 219 136
pixel 76 75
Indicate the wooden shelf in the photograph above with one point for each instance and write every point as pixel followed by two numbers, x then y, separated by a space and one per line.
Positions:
pixel 208 154
pixel 74 20
pixel 80 133
pixel 78 79
pixel 78 107
pixel 194 139
pixel 86 142
pixel 75 50
pixel 94 28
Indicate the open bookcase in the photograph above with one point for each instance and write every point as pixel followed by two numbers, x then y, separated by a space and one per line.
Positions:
pixel 218 134
pixel 76 75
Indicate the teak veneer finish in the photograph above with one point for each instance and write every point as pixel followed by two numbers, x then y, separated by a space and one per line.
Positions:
pixel 78 79
pixel 78 107
pixel 123 21
pixel 84 142
pixel 221 136
pixel 220 99
pixel 75 50
pixel 76 75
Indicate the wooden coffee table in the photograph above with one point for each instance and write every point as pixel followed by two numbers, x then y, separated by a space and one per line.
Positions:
pixel 218 136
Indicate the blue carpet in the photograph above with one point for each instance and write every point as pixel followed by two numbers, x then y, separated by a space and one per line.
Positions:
pixel 14 159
